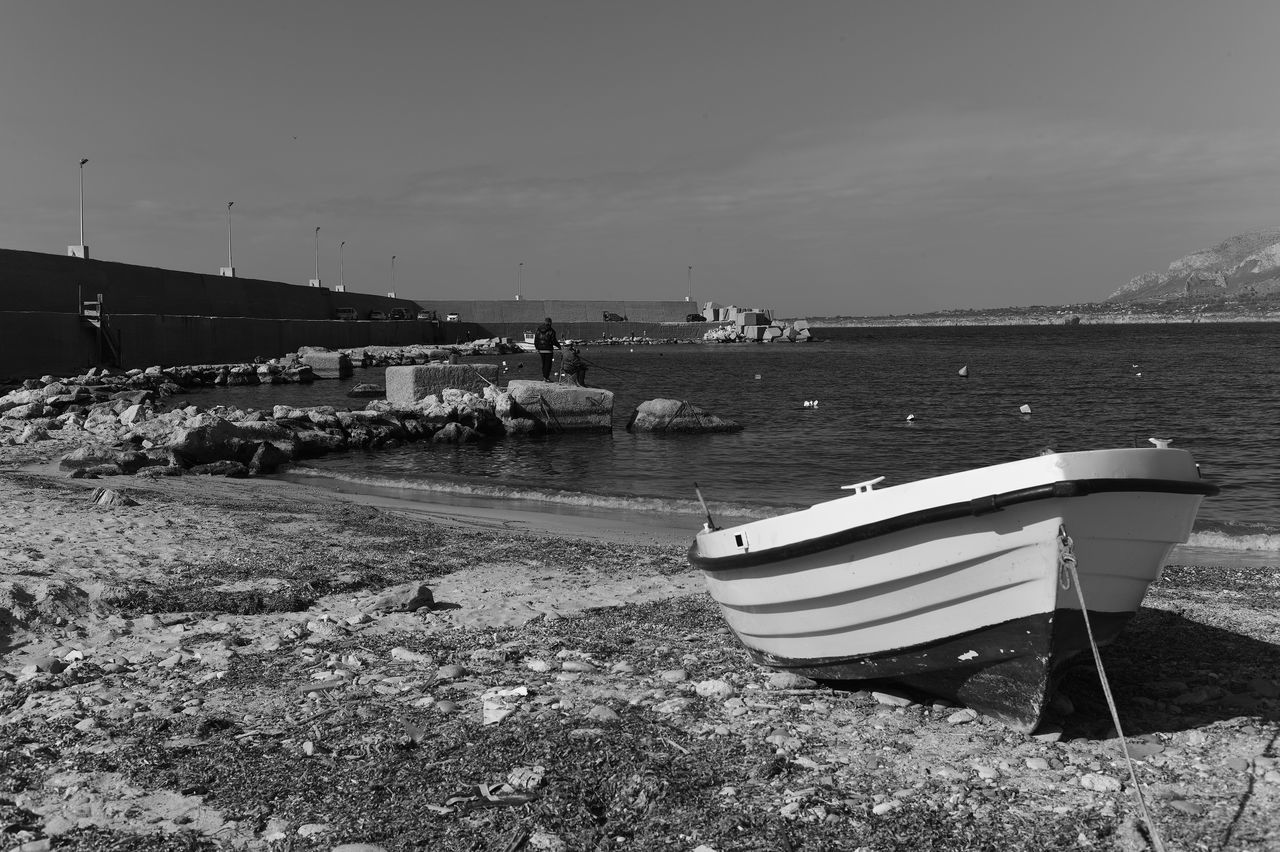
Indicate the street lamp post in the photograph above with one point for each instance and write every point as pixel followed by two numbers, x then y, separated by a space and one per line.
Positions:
pixel 393 273
pixel 230 269
pixel 342 269
pixel 80 250
pixel 520 278
pixel 315 282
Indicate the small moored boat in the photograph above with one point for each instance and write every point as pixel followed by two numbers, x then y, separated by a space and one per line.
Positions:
pixel 958 586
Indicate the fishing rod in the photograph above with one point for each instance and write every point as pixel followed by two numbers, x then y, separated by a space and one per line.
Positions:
pixel 590 363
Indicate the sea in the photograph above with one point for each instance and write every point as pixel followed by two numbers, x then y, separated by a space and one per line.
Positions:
pixel 905 403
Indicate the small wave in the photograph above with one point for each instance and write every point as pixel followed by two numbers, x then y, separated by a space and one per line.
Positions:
pixel 566 499
pixel 1222 540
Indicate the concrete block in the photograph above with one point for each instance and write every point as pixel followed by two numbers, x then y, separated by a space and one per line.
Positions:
pixel 562 408
pixel 406 385
pixel 328 365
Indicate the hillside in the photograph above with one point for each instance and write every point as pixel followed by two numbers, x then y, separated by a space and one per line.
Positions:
pixel 1244 269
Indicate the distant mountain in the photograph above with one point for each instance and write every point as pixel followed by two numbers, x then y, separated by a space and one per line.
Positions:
pixel 1243 268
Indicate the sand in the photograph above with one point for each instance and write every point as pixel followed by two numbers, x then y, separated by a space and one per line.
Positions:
pixel 225 672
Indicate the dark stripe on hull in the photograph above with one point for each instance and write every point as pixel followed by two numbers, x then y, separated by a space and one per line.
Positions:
pixel 1006 671
pixel 949 512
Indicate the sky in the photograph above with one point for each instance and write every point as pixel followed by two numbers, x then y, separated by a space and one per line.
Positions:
pixel 814 158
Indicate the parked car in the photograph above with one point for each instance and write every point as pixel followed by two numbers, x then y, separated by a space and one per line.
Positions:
pixel 347 314
pixel 431 316
pixel 695 318
pixel 399 314
pixel 452 318
pixel 610 316
pixel 377 315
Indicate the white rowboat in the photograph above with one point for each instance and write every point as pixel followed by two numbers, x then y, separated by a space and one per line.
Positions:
pixel 956 585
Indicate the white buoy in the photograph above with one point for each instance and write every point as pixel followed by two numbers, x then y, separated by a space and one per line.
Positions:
pixel 757 377
pixel 815 403
pixel 1025 409
pixel 963 371
pixel 911 418
pixel 808 404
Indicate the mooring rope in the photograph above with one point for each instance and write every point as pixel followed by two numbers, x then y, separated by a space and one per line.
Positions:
pixel 1067 562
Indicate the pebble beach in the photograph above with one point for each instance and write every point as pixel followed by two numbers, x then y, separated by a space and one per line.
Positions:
pixel 211 663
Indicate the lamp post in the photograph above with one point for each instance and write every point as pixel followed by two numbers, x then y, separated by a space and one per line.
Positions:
pixel 520 277
pixel 81 250
pixel 689 284
pixel 393 273
pixel 230 269
pixel 83 160
pixel 315 282
pixel 342 273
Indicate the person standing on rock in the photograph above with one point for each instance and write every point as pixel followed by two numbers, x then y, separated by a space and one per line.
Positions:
pixel 545 340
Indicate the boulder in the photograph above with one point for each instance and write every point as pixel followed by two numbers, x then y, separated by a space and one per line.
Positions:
pixel 328 365
pixel 89 455
pixel 676 415
pixel 455 433
pixel 107 497
pixel 407 385
pixel 559 408
pixel 405 597
pixel 268 457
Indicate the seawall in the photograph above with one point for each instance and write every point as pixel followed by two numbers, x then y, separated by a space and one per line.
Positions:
pixel 151 316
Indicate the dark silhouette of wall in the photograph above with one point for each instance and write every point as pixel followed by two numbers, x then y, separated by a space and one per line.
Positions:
pixel 32 281
pixel 35 343
pixel 169 318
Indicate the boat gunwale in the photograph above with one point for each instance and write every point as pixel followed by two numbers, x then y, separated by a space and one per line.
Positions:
pixel 975 507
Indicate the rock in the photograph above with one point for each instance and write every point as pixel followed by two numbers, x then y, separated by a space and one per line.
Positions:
pixel 405 597
pixel 892 700
pixel 368 390
pixel 789 680
pixel 455 433
pixel 451 671
pixel 1099 782
pixel 233 469
pixel 674 676
pixel 267 458
pixel 405 655
pixel 559 408
pixel 406 386
pixel 673 706
pixel 961 717
pixel 107 497
pixel 601 713
pixel 90 455
pixel 328 365
pixel 719 690
pixel 675 415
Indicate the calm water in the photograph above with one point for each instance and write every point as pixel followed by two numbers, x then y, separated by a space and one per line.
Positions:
pixel 1214 389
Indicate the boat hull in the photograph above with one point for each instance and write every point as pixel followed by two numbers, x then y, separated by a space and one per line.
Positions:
pixel 979 607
